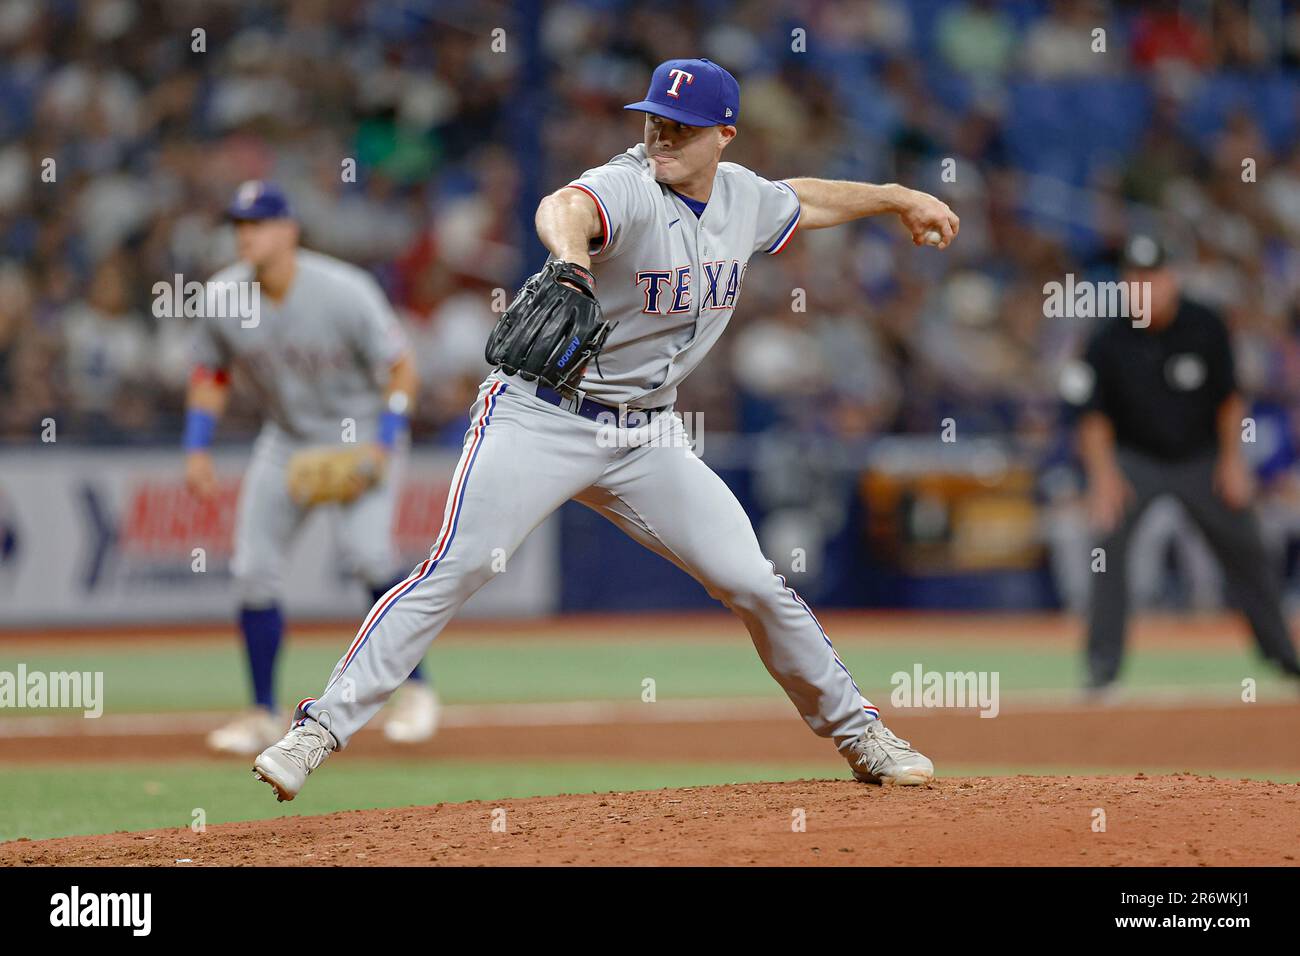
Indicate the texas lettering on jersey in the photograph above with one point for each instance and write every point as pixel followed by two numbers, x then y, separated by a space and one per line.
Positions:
pixel 671 278
pixel 718 292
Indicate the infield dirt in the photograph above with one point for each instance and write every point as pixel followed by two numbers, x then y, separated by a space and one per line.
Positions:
pixel 1153 817
pixel 1174 819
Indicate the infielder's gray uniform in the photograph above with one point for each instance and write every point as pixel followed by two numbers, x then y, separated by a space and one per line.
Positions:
pixel 671 281
pixel 317 358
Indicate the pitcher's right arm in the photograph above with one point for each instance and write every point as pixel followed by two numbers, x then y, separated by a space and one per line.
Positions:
pixel 567 221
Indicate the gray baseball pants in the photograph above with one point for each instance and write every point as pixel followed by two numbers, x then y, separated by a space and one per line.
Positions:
pixel 1232 534
pixel 522 459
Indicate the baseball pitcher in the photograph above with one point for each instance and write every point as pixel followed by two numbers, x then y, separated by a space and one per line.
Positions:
pixel 648 254
pixel 330 366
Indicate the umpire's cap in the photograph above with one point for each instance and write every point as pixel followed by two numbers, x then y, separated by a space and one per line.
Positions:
pixel 1143 251
pixel 257 199
pixel 692 92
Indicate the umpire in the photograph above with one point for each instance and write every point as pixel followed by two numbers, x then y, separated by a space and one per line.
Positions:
pixel 1160 413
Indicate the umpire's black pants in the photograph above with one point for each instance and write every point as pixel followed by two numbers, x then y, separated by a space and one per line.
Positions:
pixel 1232 534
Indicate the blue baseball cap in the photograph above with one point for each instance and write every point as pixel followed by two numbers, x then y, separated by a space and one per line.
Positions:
pixel 257 199
pixel 692 92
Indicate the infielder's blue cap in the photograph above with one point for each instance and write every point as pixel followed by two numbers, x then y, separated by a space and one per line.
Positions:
pixel 257 199
pixel 692 92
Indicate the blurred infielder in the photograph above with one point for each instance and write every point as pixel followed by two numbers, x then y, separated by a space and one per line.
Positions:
pixel 325 349
pixel 664 231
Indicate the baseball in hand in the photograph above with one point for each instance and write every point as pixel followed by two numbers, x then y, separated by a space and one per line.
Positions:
pixel 933 237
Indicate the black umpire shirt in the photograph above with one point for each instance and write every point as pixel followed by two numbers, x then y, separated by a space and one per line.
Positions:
pixel 1161 389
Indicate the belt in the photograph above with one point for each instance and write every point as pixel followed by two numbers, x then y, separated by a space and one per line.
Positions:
pixel 597 411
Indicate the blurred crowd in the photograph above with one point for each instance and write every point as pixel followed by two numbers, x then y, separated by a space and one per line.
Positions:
pixel 1053 129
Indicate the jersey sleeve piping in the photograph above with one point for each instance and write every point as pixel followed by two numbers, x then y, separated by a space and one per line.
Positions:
pixel 790 227
pixel 601 210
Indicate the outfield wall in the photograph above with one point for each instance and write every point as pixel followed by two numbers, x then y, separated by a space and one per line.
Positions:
pixel 109 536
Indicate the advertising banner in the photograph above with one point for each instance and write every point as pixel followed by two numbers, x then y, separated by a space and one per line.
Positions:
pixel 112 536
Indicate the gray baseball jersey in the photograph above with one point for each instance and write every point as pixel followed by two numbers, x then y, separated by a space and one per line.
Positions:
pixel 316 359
pixel 672 281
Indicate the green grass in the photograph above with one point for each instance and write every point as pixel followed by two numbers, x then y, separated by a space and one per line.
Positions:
pixel 172 677
pixel 40 802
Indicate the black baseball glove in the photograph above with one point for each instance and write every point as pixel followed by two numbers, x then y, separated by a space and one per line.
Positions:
pixel 550 331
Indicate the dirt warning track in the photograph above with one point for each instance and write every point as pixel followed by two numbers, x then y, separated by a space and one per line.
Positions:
pixel 1248 737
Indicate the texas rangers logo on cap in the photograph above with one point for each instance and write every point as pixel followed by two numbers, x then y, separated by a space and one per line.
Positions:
pixel 248 192
pixel 258 199
pixel 677 76
pixel 692 92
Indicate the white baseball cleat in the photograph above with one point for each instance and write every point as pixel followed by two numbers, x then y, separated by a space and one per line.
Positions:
pixel 248 733
pixel 877 756
pixel 413 716
pixel 287 764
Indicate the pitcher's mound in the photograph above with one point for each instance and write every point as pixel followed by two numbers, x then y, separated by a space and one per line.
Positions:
pixel 1182 819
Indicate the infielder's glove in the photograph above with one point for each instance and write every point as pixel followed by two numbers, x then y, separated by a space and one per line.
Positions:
pixel 319 476
pixel 550 331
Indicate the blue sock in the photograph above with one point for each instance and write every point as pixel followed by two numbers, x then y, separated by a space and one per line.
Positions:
pixel 375 595
pixel 262 629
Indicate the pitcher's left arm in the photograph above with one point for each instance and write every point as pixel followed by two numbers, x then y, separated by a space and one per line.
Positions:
pixel 830 202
